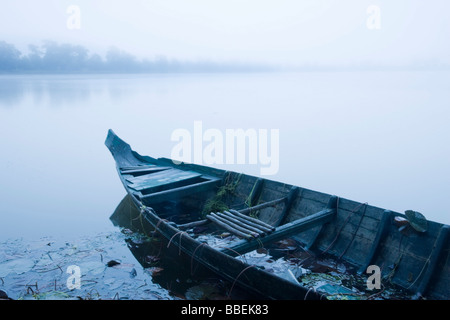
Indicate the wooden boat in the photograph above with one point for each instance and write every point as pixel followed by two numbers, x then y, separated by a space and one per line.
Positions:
pixel 195 206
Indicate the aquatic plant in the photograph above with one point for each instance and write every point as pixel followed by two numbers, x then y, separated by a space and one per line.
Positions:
pixel 218 202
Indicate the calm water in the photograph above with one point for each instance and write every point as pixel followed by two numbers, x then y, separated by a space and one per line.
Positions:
pixel 377 137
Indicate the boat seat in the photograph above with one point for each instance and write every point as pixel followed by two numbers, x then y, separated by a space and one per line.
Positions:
pixel 162 180
pixel 283 231
pixel 154 184
pixel 141 170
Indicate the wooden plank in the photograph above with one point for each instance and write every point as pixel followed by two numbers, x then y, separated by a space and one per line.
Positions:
pixel 165 185
pixel 381 234
pixel 332 203
pixel 154 175
pixel 125 168
pixel 161 175
pixel 283 231
pixel 241 223
pixel 193 224
pixel 249 223
pixel 154 184
pixel 257 221
pixel 229 228
pixel 154 169
pixel 262 206
pixel 234 225
pixel 180 192
pixel 432 262
pixel 290 200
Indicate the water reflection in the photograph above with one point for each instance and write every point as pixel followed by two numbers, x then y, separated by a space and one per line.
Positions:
pixel 58 90
pixel 39 270
pixel 66 92
pixel 11 91
pixel 385 131
pixel 178 273
pixel 71 90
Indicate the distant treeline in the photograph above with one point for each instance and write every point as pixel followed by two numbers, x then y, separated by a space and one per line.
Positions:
pixel 52 57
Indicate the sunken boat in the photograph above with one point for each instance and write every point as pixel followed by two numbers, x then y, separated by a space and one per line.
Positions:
pixel 282 241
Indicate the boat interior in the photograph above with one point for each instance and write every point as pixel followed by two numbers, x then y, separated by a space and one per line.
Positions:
pixel 259 221
pixel 243 215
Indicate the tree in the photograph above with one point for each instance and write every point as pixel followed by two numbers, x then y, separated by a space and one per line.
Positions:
pixel 121 61
pixel 33 60
pixel 95 63
pixel 9 57
pixel 64 57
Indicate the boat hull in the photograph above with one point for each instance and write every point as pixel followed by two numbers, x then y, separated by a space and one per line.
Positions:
pixel 357 233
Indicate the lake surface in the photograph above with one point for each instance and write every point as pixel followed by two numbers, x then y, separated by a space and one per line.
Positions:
pixel 376 137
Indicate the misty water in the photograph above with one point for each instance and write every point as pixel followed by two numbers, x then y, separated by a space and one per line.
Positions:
pixel 376 137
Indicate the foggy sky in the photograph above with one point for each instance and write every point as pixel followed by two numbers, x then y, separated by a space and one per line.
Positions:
pixel 283 31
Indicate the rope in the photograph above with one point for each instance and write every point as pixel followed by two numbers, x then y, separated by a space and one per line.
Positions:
pixel 240 255
pixel 309 290
pixel 157 227
pixel 421 271
pixel 193 254
pixel 343 225
pixel 356 231
pixel 389 276
pixel 245 269
pixel 179 244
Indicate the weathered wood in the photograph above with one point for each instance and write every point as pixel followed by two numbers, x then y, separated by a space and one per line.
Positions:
pixel 154 176
pixel 192 224
pixel 432 262
pixel 262 206
pixel 424 256
pixel 126 168
pixel 180 192
pixel 290 200
pixel 249 223
pixel 139 172
pixel 240 223
pixel 252 219
pixel 283 231
pixel 229 228
pixel 381 234
pixel 162 180
pixel 234 225
pixel 332 203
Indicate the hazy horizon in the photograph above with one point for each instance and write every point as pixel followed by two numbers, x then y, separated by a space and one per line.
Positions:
pixel 53 57
pixel 288 33
pixel 372 136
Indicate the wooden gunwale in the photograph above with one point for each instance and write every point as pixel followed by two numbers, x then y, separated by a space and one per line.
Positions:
pixel 365 237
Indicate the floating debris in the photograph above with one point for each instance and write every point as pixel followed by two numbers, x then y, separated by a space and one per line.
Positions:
pixel 112 263
pixel 37 271
pixel 151 259
pixel 154 271
pixel 289 275
pixel 127 231
pixel 335 280
pixel 335 292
